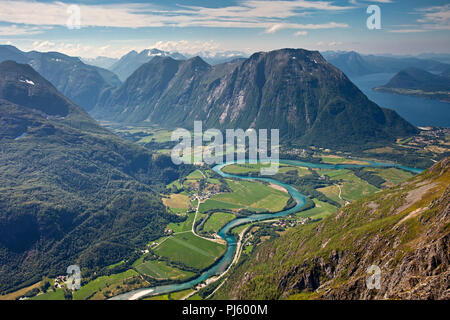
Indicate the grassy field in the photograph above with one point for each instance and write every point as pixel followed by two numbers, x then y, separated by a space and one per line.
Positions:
pixel 392 176
pixel 249 195
pixel 242 168
pixel 101 283
pixel 353 188
pixel 19 293
pixel 339 160
pixel 321 210
pixel 183 226
pixel 177 201
pixel 196 175
pixel 159 135
pixel 160 270
pixel 190 250
pixel 58 294
pixel 217 220
pixel 172 296
pixel 91 288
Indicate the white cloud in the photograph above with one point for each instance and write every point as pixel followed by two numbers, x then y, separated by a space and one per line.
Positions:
pixel 14 30
pixel 117 51
pixel 274 28
pixel 248 14
pixel 432 19
pixel 185 46
pixel 301 33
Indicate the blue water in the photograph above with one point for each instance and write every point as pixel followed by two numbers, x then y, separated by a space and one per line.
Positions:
pixel 223 263
pixel 418 111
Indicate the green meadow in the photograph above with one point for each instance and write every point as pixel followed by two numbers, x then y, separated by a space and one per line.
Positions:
pixel 217 220
pixel 190 250
pixel 248 195
pixel 160 270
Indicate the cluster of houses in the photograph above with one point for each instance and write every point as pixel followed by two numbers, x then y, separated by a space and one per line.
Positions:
pixel 290 223
pixel 168 231
pixel 60 281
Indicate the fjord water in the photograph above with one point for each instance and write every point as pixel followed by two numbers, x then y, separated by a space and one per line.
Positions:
pixel 222 264
pixel 418 111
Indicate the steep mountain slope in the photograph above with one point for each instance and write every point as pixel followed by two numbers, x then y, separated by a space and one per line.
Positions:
pixel 355 64
pixel 70 191
pixel 80 82
pixel 130 62
pixel 295 91
pixel 403 230
pixel 418 82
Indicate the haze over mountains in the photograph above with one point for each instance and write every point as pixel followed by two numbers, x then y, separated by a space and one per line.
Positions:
pixel 130 62
pixel 355 64
pixel 133 60
pixel 294 90
pixel 80 82
pixel 71 191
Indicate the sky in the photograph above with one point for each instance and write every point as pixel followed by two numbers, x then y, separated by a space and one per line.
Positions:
pixel 114 27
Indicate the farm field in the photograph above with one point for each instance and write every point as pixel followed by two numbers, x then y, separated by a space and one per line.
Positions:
pixel 182 226
pixel 353 188
pixel 248 195
pixel 392 176
pixel 331 159
pixel 95 285
pixel 58 294
pixel 190 250
pixel 160 270
pixel 243 168
pixel 321 210
pixel 172 296
pixel 19 293
pixel 177 201
pixel 217 220
pixel 90 289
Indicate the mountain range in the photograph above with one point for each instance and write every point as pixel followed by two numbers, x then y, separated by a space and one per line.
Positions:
pixel 80 82
pixel 355 64
pixel 133 60
pixel 294 90
pixel 71 191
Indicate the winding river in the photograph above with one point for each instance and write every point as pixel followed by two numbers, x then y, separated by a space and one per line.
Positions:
pixel 222 264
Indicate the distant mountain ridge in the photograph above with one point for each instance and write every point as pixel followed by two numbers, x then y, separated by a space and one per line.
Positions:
pixel 80 82
pixel 354 64
pixel 418 82
pixel 293 90
pixel 130 62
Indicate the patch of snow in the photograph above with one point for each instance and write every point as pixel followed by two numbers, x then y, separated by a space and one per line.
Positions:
pixel 27 81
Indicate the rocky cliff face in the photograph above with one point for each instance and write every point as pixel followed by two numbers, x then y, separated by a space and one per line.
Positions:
pixel 295 91
pixel 404 231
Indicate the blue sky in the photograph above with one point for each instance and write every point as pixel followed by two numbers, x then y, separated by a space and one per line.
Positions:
pixel 114 27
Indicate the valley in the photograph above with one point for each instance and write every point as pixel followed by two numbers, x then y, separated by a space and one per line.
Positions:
pixel 109 198
pixel 183 253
